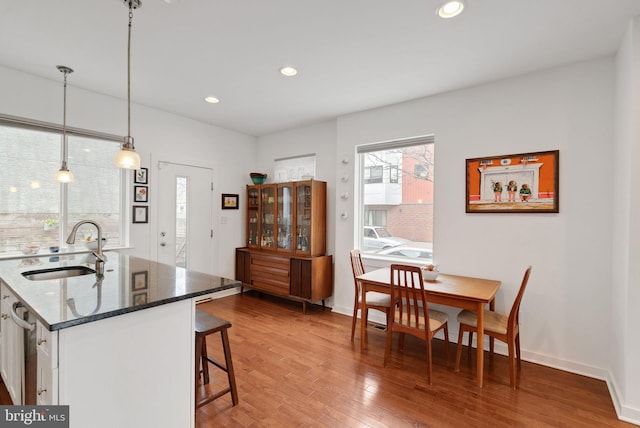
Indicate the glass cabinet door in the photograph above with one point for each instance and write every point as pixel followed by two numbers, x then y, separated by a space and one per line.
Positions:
pixel 268 204
pixel 303 217
pixel 285 232
pixel 253 213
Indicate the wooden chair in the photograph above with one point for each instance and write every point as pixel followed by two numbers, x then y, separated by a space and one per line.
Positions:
pixel 412 313
pixel 374 300
pixel 505 328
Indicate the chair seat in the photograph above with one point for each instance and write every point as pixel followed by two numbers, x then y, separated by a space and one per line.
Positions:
pixel 436 320
pixel 207 323
pixel 493 321
pixel 378 299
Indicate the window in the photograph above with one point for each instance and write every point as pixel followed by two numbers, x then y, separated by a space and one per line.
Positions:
pixel 36 210
pixel 396 211
pixel 393 174
pixel 375 217
pixel 421 171
pixel 373 174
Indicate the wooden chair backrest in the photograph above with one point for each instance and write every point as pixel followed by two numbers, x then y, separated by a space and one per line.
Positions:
pixel 407 288
pixel 356 267
pixel 515 309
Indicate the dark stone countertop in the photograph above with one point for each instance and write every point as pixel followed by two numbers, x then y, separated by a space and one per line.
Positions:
pixel 129 284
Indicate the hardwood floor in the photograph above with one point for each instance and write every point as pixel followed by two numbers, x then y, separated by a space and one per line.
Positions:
pixel 296 370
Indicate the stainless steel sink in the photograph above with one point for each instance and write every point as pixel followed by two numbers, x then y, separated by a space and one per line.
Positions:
pixel 57 273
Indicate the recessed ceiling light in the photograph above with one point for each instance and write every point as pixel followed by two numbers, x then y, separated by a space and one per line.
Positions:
pixel 288 71
pixel 211 99
pixel 450 8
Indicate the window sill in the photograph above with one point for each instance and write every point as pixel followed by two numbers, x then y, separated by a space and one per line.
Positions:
pixel 377 261
pixel 17 255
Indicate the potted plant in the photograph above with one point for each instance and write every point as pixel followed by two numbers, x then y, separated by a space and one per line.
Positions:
pixel 50 223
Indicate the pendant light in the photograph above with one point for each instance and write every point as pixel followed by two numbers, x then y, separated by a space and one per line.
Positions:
pixel 127 157
pixel 64 175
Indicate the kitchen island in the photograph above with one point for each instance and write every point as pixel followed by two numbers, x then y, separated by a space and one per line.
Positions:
pixel 118 349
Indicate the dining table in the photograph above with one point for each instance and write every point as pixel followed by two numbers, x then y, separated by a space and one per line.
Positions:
pixel 451 290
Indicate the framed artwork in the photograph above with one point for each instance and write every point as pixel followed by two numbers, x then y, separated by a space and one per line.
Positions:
pixel 230 201
pixel 140 194
pixel 141 176
pixel 140 214
pixel 517 183
pixel 139 280
pixel 139 298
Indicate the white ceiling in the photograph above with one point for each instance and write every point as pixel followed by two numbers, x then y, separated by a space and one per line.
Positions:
pixel 352 55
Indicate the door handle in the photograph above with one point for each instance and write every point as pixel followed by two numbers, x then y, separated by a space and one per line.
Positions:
pixel 19 321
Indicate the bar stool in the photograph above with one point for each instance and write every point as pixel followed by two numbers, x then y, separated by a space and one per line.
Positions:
pixel 207 324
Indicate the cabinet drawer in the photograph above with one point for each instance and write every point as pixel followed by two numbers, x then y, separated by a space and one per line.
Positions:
pixel 273 274
pixel 270 287
pixel 271 278
pixel 272 262
pixel 270 269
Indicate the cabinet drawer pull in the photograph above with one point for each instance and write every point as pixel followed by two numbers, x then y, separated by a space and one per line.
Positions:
pixel 41 341
pixel 42 391
pixel 5 297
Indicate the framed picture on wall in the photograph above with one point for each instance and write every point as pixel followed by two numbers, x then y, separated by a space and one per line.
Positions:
pixel 230 201
pixel 141 176
pixel 140 194
pixel 140 214
pixel 517 183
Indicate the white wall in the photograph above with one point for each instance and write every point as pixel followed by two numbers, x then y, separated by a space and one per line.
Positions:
pixel 157 135
pixel 569 109
pixel 626 233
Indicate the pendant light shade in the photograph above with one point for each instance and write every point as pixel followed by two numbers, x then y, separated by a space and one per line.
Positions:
pixel 127 157
pixel 64 175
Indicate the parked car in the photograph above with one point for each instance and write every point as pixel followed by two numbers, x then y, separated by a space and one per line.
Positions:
pixel 378 237
pixel 414 250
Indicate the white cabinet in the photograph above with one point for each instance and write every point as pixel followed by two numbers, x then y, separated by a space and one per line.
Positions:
pixel 11 348
pixel 12 361
pixel 47 377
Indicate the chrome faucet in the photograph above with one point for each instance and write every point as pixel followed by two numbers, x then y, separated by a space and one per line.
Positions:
pixel 100 259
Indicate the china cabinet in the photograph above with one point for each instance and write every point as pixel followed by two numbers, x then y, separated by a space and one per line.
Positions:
pixel 286 241
pixel 288 217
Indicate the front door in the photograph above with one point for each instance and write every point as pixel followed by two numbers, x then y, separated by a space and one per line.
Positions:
pixel 185 225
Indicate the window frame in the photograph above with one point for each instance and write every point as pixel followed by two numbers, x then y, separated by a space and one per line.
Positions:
pixel 125 177
pixel 360 181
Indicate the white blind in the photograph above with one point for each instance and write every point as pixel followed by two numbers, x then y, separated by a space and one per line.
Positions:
pixel 36 125
pixel 396 144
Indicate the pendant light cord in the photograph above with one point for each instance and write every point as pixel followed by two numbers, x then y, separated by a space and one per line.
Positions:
pixel 64 123
pixel 129 138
